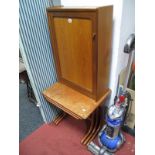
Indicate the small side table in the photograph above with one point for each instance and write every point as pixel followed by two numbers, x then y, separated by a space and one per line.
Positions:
pixel 78 106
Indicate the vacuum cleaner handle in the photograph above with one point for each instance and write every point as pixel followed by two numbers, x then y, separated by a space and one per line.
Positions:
pixel 130 44
pixel 129 48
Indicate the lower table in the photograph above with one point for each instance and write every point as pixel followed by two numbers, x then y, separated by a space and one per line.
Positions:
pixel 78 106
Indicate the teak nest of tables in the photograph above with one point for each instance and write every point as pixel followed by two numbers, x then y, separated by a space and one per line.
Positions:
pixel 81 43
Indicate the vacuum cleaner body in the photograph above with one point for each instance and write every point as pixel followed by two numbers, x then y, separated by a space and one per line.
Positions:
pixel 110 137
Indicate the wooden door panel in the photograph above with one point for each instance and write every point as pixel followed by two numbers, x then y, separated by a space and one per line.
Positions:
pixel 74 43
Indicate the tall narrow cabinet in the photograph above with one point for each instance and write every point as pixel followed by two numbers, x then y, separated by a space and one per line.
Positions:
pixel 81 45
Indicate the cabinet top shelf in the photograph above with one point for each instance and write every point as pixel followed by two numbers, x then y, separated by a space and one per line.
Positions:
pixel 75 8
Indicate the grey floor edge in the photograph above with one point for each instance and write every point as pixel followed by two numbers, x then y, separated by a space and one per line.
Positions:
pixel 29 115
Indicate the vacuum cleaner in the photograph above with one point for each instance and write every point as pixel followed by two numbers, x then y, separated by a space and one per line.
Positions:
pixel 110 137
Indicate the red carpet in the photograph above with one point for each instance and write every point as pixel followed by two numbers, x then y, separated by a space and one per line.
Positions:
pixel 64 139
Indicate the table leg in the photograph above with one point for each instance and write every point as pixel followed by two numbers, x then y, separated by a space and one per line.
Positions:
pixel 59 118
pixel 99 127
pixel 90 128
pixel 94 129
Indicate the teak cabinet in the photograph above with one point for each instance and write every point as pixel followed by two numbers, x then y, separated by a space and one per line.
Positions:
pixel 81 43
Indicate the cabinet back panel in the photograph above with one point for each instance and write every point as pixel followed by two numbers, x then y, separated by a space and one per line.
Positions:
pixel 74 43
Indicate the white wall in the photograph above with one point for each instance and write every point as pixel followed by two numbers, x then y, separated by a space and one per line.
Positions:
pixel 123 25
pixel 127 27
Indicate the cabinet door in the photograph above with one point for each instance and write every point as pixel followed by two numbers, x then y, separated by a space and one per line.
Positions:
pixel 74 42
pixel 74 50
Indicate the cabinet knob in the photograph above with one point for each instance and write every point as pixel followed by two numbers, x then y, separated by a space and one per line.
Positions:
pixel 69 20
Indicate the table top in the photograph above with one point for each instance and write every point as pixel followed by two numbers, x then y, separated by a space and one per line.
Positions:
pixel 72 101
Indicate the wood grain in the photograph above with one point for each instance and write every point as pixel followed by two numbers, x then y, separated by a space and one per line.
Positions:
pixel 74 42
pixel 71 100
pixel 62 107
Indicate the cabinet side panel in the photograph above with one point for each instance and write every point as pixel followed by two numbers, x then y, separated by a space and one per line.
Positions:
pixel 105 16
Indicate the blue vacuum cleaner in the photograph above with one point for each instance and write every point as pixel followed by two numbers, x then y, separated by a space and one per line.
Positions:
pixel 110 137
